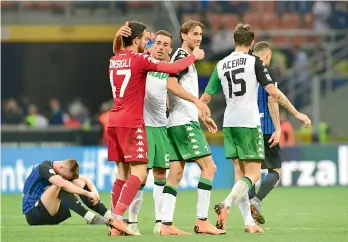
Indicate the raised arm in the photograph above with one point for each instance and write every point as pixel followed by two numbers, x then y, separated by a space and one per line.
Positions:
pixel 117 43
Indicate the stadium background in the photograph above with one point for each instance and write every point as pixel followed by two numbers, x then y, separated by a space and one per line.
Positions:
pixel 55 87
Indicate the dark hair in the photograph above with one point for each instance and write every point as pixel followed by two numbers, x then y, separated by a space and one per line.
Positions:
pixel 188 25
pixel 261 46
pixel 73 166
pixel 243 34
pixel 165 33
pixel 137 29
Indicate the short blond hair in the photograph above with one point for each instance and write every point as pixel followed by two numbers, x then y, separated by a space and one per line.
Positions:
pixel 73 167
pixel 262 46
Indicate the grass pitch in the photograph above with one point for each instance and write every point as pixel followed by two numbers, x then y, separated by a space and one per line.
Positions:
pixel 292 214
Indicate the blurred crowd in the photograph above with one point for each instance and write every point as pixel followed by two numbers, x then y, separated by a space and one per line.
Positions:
pixel 74 114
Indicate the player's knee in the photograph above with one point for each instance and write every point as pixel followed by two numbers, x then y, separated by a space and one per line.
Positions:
pixel 207 165
pixel 55 188
pixel 139 170
pixel 159 174
pixel 174 177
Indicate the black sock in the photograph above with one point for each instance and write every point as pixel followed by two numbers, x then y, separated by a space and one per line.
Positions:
pixel 99 207
pixel 252 192
pixel 158 221
pixel 71 201
pixel 267 184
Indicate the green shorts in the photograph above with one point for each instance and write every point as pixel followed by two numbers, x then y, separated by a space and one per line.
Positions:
pixel 188 142
pixel 244 143
pixel 158 147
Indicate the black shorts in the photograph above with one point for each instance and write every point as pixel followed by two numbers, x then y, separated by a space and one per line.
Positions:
pixel 273 157
pixel 39 215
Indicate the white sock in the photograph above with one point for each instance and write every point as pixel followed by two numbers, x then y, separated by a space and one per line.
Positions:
pixel 244 207
pixel 169 200
pixel 203 202
pixel 158 199
pixel 238 191
pixel 107 214
pixel 135 206
pixel 89 216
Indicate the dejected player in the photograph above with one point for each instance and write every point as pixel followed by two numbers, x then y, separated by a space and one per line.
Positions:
pixel 127 140
pixel 49 195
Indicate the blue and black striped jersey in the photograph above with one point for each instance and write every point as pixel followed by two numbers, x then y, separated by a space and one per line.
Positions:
pixel 36 183
pixel 267 125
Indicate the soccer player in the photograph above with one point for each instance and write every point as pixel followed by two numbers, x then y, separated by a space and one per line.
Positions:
pixel 187 138
pixel 127 139
pixel 49 195
pixel 270 126
pixel 238 74
pixel 156 130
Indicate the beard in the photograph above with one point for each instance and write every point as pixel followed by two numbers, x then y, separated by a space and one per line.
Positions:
pixel 141 49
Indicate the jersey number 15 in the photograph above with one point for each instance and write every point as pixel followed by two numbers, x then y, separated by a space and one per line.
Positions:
pixel 127 74
pixel 233 76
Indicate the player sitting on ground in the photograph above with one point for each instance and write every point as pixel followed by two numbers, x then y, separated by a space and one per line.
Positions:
pixel 187 138
pixel 270 125
pixel 49 195
pixel 238 75
pixel 127 139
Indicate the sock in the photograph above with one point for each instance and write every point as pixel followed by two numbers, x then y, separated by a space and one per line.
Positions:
pixel 252 192
pixel 158 198
pixel 134 208
pixel 267 184
pixel 244 207
pixel 129 190
pixel 169 200
pixel 203 192
pixel 116 191
pixel 71 201
pixel 241 187
pixel 99 207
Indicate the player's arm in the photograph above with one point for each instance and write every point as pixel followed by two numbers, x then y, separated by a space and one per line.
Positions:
pixel 213 87
pixel 273 108
pixel 174 86
pixel 46 171
pixel 148 64
pixel 264 78
pixel 117 43
pixel 90 185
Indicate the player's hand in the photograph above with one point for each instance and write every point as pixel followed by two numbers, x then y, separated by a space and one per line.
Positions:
pixel 304 118
pixel 203 109
pixel 210 124
pixel 124 31
pixel 274 140
pixel 198 53
pixel 93 197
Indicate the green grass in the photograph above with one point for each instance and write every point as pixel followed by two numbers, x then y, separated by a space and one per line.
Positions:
pixel 292 214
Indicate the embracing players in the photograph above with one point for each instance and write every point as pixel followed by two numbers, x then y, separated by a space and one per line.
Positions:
pixel 49 195
pixel 239 74
pixel 127 137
